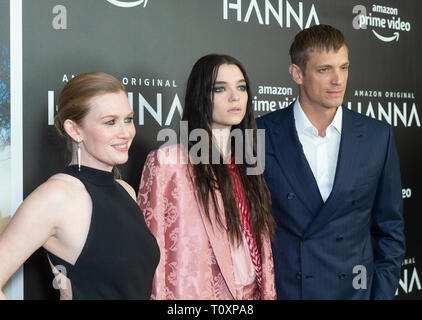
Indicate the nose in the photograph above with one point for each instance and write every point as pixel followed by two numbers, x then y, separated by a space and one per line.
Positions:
pixel 234 95
pixel 126 130
pixel 337 77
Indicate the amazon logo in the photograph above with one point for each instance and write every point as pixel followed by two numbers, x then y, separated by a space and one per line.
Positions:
pixel 388 26
pixel 128 4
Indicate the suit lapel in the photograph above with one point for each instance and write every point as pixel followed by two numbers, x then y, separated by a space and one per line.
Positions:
pixel 219 240
pixel 351 135
pixel 291 159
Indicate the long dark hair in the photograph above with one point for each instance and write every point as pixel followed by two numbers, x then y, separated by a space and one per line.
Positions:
pixel 210 177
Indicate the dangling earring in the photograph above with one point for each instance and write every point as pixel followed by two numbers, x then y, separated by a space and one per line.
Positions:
pixel 78 153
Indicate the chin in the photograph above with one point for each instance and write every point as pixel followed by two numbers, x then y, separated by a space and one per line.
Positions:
pixel 237 121
pixel 121 161
pixel 334 104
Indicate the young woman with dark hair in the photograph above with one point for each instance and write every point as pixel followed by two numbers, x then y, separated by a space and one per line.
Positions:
pixel 212 220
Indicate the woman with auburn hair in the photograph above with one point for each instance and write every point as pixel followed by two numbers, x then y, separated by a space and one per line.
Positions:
pixel 212 221
pixel 97 241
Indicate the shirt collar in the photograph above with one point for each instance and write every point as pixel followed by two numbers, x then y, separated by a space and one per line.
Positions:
pixel 337 121
pixel 301 120
pixel 303 124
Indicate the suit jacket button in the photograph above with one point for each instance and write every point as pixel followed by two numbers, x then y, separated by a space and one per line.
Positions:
pixel 299 275
pixel 339 238
pixel 291 196
pixel 341 276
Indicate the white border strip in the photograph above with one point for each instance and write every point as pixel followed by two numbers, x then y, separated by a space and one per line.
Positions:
pixel 16 138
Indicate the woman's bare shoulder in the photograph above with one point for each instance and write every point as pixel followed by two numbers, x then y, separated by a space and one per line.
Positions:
pixel 59 190
pixel 46 206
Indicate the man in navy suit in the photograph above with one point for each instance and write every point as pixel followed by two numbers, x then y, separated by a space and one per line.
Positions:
pixel 334 178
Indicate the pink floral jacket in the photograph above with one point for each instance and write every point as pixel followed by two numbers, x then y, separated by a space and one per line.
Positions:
pixel 195 261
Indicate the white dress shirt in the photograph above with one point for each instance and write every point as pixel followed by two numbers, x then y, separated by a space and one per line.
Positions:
pixel 321 152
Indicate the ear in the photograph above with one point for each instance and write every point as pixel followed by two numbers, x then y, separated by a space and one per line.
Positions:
pixel 72 129
pixel 296 73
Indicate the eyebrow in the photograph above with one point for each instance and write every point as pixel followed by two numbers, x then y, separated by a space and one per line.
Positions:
pixel 224 82
pixel 329 65
pixel 116 116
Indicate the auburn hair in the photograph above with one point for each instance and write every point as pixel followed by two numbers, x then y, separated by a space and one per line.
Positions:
pixel 73 101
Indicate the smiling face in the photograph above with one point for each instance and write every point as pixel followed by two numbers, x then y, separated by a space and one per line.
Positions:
pixel 229 97
pixel 107 131
pixel 323 83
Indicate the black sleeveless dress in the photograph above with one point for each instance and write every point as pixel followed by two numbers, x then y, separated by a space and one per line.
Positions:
pixel 120 254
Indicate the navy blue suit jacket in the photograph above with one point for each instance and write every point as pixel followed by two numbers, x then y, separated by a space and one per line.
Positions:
pixel 319 244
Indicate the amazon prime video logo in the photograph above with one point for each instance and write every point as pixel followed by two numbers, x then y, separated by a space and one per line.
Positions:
pixel 128 4
pixel 384 22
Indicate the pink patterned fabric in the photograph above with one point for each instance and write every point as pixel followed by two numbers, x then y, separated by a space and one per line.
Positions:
pixel 242 205
pixel 195 260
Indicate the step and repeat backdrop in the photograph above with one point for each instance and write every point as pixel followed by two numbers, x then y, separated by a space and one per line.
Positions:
pixel 5 153
pixel 151 46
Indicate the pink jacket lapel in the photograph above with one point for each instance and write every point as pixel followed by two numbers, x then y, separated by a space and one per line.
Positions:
pixel 219 240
